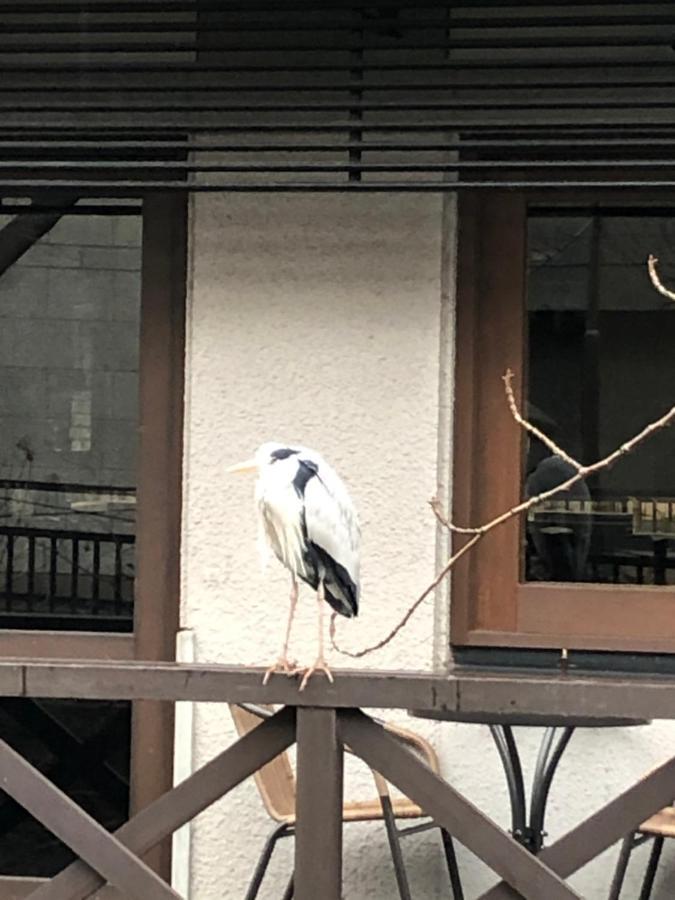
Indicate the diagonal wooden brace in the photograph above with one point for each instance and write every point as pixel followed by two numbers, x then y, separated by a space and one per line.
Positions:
pixel 529 876
pixel 76 828
pixel 182 803
pixel 614 821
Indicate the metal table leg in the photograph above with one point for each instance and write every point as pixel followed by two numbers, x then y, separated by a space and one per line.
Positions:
pixel 529 830
pixel 508 753
pixel 550 753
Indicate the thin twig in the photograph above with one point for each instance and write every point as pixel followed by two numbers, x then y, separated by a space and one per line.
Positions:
pixel 437 510
pixel 528 426
pixel 480 531
pixel 656 281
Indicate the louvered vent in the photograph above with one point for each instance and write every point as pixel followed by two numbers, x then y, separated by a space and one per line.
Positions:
pixel 122 97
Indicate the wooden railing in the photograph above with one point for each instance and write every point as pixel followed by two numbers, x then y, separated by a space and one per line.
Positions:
pixel 322 720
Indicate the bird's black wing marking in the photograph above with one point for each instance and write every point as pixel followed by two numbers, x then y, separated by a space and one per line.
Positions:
pixel 341 592
pixel 306 469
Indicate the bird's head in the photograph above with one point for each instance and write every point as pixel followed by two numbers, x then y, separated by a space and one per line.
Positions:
pixel 266 455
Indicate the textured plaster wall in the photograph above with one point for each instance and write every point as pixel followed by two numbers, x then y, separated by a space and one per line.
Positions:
pixel 319 319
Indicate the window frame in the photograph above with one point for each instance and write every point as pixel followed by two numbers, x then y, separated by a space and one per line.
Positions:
pixel 491 606
pixel 162 343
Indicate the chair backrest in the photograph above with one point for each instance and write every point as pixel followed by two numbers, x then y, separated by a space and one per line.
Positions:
pixel 275 781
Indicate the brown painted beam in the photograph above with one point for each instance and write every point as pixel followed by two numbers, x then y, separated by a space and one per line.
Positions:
pixel 73 645
pixel 24 230
pixel 595 834
pixel 236 684
pixel 78 830
pixel 318 830
pixel 526 873
pixel 511 696
pixel 182 803
pixel 159 479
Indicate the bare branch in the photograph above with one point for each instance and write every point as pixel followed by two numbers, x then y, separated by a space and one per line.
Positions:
pixel 532 429
pixel 656 281
pixel 442 520
pixel 479 532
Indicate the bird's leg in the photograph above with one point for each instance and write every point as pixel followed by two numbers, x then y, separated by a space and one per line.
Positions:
pixel 319 664
pixel 283 664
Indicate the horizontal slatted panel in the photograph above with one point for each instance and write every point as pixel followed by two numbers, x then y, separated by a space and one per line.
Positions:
pixel 123 97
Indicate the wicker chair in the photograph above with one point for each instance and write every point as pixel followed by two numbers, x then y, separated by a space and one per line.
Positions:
pixel 276 784
pixel 657 827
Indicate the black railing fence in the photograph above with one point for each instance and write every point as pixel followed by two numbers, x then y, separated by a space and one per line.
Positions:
pixel 66 557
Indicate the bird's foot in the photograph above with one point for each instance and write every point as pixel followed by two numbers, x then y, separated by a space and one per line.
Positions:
pixel 282 665
pixel 319 665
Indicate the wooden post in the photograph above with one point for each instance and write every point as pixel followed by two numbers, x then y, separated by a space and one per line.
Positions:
pixel 158 511
pixel 318 832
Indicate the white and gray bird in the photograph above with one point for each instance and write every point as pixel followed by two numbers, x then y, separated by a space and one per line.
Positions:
pixel 307 519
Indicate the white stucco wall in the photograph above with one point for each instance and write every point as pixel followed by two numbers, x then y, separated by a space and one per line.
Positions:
pixel 320 319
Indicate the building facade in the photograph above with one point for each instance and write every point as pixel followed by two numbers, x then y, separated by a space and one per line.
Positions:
pixel 330 320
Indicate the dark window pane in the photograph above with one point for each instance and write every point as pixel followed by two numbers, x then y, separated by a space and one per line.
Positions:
pixel 600 350
pixel 69 347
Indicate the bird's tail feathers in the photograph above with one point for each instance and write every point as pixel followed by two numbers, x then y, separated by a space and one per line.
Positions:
pixel 343 602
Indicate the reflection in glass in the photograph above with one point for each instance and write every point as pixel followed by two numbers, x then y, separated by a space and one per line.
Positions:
pixel 69 344
pixel 600 350
pixel 69 350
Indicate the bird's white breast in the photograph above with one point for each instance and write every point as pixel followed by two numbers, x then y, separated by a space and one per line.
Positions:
pixel 281 514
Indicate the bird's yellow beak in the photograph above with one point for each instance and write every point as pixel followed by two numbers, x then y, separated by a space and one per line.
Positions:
pixel 249 466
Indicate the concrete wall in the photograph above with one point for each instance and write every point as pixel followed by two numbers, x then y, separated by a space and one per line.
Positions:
pixel 326 319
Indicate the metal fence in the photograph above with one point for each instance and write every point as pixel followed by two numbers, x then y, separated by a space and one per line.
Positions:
pixel 55 578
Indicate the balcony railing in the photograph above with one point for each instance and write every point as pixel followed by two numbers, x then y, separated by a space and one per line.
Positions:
pixel 59 578
pixel 322 720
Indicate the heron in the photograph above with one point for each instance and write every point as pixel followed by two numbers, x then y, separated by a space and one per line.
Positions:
pixel 307 519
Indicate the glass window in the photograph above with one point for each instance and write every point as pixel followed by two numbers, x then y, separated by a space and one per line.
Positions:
pixel 600 367
pixel 69 353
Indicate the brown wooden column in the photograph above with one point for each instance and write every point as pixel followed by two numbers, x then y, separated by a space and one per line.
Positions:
pixel 318 834
pixel 158 519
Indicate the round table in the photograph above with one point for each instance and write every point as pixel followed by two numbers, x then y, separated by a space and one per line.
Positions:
pixel 527 826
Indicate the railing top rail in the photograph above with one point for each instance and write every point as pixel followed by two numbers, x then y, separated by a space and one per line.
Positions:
pixel 458 694
pixel 19 531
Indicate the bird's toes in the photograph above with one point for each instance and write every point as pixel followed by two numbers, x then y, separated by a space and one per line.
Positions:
pixel 319 666
pixel 283 666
